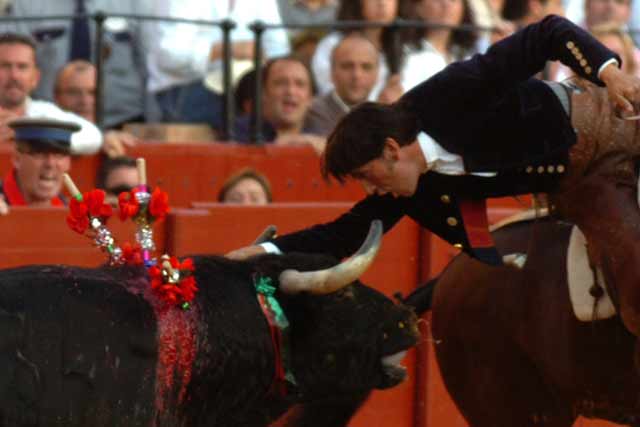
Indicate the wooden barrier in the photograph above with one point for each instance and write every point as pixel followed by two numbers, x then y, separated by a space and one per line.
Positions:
pixel 41 236
pixel 220 228
pixel 196 172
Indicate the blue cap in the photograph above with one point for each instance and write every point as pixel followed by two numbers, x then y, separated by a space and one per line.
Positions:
pixel 44 134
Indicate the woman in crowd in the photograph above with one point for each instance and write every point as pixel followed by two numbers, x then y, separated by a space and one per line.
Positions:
pixel 246 187
pixel 380 11
pixel 431 49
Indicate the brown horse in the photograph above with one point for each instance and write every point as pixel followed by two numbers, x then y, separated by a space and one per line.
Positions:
pixel 509 347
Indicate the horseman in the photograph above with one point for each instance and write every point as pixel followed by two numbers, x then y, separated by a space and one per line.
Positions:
pixel 480 128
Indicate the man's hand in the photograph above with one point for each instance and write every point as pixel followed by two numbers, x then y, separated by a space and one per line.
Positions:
pixel 623 88
pixel 116 143
pixel 246 252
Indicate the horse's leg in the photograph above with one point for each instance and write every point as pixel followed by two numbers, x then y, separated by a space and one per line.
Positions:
pixel 494 385
pixel 493 382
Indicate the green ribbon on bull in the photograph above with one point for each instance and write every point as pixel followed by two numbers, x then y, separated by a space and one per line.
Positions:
pixel 264 286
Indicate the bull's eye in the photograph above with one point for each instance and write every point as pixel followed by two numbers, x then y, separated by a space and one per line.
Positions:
pixel 401 325
pixel 385 336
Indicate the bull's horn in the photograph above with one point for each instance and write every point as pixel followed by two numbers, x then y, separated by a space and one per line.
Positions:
pixel 337 277
pixel 267 234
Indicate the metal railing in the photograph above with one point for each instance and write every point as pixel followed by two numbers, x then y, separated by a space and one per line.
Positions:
pixel 258 28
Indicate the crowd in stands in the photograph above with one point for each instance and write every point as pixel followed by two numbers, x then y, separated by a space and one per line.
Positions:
pixel 169 72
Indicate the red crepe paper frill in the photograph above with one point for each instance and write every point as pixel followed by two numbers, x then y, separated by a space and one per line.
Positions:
pixel 159 204
pixel 92 205
pixel 174 293
pixel 132 254
pixel 128 203
pixel 157 209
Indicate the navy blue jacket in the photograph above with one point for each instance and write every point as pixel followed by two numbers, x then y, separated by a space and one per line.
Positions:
pixel 490 111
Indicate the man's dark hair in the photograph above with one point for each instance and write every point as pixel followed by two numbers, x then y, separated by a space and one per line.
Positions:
pixel 109 165
pixel 15 38
pixel 266 69
pixel 243 93
pixel 515 10
pixel 359 137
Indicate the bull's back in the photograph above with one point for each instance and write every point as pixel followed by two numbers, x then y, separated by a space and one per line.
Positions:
pixel 77 347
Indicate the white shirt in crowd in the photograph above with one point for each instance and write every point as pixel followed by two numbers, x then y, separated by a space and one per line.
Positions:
pixel 421 64
pixel 321 66
pixel 179 52
pixel 87 140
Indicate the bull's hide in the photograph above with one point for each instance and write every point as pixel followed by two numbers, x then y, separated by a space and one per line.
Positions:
pixel 94 347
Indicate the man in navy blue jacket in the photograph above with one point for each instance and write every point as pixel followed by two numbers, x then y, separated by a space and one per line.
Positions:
pixel 480 128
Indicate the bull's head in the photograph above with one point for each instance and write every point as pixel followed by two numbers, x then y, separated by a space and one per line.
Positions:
pixel 346 337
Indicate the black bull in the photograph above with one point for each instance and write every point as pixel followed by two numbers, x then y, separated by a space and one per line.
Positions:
pixel 92 347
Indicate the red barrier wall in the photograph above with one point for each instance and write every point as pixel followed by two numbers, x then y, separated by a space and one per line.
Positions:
pixel 220 228
pixel 195 172
pixel 36 236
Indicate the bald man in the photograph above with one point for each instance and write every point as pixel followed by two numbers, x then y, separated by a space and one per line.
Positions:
pixel 75 91
pixel 354 72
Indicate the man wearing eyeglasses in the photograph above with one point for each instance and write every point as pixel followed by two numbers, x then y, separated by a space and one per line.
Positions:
pixel 42 156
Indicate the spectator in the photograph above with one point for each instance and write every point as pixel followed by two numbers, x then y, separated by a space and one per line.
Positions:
pixel 605 12
pixel 19 75
pixel 61 41
pixel 41 158
pixel 304 12
pixel 618 40
pixel 246 187
pixel 304 44
pixel 243 93
pixel 431 49
pixel 75 91
pixel 525 12
pixel 590 13
pixel 380 11
pixel 634 21
pixel 183 53
pixel 286 98
pixel 354 72
pixel 117 175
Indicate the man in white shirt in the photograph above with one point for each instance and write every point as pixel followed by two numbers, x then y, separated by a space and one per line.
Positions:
pixel 181 54
pixel 19 76
pixel 355 65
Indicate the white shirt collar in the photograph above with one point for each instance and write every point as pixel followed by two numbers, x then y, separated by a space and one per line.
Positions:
pixel 438 159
